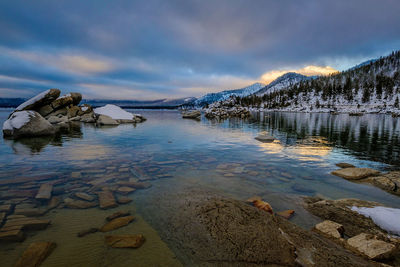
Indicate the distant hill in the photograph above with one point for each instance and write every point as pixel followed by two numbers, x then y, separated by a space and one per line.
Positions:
pixel 281 82
pixel 220 96
pixel 161 103
pixel 372 86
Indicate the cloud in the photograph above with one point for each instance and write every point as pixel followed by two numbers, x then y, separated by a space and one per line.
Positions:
pixel 184 48
pixel 307 71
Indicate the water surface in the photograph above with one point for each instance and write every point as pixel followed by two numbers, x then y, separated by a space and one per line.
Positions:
pixel 175 154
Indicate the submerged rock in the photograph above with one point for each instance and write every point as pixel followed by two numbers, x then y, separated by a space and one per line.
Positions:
pixel 107 200
pixel 344 165
pixel 44 192
pixel 78 204
pixel 117 223
pixel 355 173
pixel 287 214
pixel 88 231
pixel 84 196
pixel 35 254
pixel 124 241
pixel 117 215
pixel 25 124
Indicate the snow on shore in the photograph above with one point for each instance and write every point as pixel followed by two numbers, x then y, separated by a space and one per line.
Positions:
pixel 386 218
pixel 114 112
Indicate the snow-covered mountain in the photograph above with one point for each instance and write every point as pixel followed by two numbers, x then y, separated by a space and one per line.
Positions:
pixel 281 82
pixel 221 96
pixel 372 86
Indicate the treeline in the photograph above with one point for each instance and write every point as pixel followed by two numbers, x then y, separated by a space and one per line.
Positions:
pixel 378 80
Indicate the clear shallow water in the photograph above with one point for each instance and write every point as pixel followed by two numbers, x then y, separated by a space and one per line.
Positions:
pixel 175 154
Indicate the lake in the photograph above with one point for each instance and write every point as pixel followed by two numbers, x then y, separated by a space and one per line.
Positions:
pixel 175 154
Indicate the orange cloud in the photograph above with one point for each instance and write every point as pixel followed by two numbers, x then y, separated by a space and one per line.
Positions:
pixel 308 71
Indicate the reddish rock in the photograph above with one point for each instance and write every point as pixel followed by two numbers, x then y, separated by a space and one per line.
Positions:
pixel 123 200
pixel 125 190
pixel 78 204
pixel 287 214
pixel 16 235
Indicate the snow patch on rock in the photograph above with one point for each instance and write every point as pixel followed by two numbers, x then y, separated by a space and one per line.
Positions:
pixel 386 218
pixel 114 112
pixel 17 120
pixel 32 100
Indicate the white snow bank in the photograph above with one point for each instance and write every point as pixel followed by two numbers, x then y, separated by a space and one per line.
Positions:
pixel 32 100
pixel 84 108
pixel 114 112
pixel 386 218
pixel 17 120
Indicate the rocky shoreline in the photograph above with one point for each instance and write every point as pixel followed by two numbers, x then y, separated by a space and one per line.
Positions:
pixel 48 112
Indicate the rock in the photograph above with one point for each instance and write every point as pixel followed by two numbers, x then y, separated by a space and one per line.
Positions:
pixel 115 113
pixel 76 118
pixel 84 196
pixel 28 210
pixel 123 200
pixel 215 230
pixel 44 192
pixel 287 214
pixel 265 138
pixel 355 173
pixel 263 206
pixel 78 204
pixel 330 229
pixel 85 109
pixel 107 200
pixel 57 119
pixel 384 183
pixel 27 124
pixel 16 235
pixel 137 185
pixel 340 212
pixel 125 190
pixel 35 254
pixel 73 111
pixel 88 118
pixel 76 98
pixel 6 208
pixel 40 100
pixel 117 215
pixel 124 241
pixel 24 223
pixel 117 223
pixel 54 202
pixel 191 114
pixel 106 120
pixel 45 110
pixel 344 165
pixel 302 189
pixel 59 112
pixel 2 217
pixel 62 101
pixel 86 232
pixel 369 246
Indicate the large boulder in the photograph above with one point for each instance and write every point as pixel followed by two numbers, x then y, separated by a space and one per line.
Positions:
pixel 117 114
pixel 88 118
pixel 371 247
pixel 27 123
pixel 40 100
pixel 85 109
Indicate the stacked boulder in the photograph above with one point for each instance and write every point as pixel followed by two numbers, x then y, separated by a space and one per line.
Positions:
pixel 47 112
pixel 220 111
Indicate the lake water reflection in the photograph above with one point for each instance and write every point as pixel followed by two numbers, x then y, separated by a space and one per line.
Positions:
pixel 173 154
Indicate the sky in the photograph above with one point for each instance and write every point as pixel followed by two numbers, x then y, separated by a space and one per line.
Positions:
pixel 158 49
